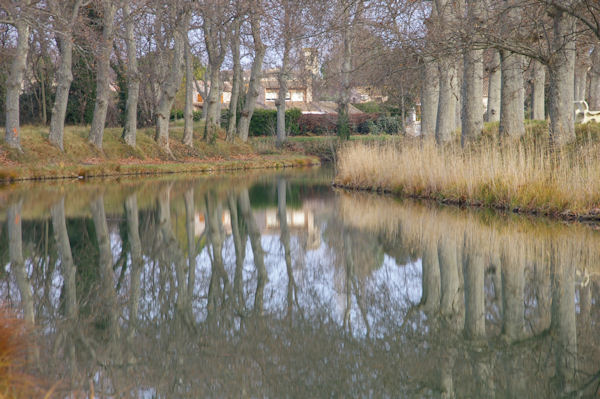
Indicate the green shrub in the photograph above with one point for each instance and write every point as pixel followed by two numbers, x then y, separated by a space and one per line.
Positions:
pixel 382 125
pixel 264 122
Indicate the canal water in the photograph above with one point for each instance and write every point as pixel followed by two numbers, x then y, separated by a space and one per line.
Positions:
pixel 273 284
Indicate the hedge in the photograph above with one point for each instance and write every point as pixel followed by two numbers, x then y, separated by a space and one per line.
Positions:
pixel 264 122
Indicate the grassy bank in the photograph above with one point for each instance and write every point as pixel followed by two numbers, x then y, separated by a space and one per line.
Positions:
pixel 39 159
pixel 523 176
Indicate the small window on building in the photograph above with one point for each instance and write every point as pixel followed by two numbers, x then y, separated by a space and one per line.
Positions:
pixel 298 96
pixel 199 99
pixel 271 95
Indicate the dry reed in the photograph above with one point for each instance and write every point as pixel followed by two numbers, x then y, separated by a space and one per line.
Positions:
pixel 521 176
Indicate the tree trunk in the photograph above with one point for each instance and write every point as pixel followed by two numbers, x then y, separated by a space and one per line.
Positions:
pixel 103 74
pixel 188 129
pixel 63 84
pixel 12 136
pixel 580 83
pixel 595 80
pixel 512 96
pixel 538 95
pixel 472 91
pixel 255 76
pixel 343 124
pixel 169 88
pixel 61 237
pixel 562 72
pixel 429 96
pixel 283 77
pixel 494 83
pixel 212 117
pixel 133 80
pixel 236 84
pixel 446 113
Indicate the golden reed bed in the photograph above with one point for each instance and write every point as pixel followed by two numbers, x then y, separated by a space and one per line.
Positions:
pixel 521 176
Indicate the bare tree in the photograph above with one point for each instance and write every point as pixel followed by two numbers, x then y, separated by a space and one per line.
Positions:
pixel 349 14
pixel 65 16
pixel 176 20
pixel 216 37
pixel 237 78
pixel 494 84
pixel 472 84
pixel 18 15
pixel 256 13
pixel 133 78
pixel 446 116
pixel 595 78
pixel 103 54
pixel 538 92
pixel 188 113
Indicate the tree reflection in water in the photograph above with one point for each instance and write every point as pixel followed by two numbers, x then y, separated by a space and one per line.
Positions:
pixel 214 288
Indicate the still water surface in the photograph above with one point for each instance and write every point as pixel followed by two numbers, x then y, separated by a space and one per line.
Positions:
pixel 269 284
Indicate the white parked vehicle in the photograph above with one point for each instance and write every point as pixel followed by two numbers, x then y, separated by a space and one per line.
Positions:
pixel 583 113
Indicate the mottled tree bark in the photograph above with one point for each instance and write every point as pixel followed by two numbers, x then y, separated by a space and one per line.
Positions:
pixel 169 88
pixel 446 113
pixel 595 80
pixel 188 129
pixel 538 92
pixel 512 95
pixel 103 74
pixel 12 136
pixel 494 86
pixel 429 96
pixel 283 79
pixel 255 76
pixel 562 71
pixel 580 84
pixel 472 91
pixel 133 79
pixel 236 83
pixel 447 102
pixel 64 75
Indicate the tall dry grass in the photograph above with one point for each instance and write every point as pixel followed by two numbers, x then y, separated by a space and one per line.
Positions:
pixel 525 175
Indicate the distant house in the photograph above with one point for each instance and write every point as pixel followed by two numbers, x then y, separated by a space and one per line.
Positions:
pixel 299 89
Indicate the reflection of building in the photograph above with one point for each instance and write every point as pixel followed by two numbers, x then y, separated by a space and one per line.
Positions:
pixel 299 221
